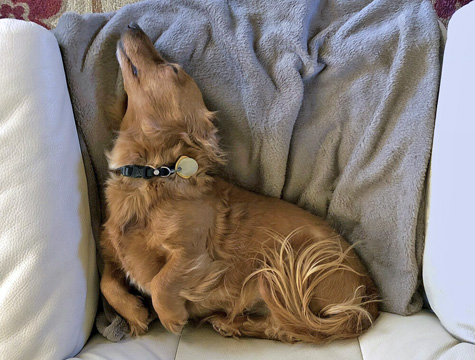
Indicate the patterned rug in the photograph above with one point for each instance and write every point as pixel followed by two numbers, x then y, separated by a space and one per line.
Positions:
pixel 47 12
pixel 446 8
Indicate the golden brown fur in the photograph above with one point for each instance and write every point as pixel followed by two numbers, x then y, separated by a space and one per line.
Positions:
pixel 205 249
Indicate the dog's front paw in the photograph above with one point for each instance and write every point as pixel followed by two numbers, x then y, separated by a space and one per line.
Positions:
pixel 225 329
pixel 174 324
pixel 139 323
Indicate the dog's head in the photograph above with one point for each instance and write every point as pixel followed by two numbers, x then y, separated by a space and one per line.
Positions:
pixel 166 117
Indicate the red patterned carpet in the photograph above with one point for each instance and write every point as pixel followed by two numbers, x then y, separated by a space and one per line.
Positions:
pixel 446 8
pixel 47 12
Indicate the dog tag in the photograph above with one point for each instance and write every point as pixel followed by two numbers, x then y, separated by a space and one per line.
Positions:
pixel 186 167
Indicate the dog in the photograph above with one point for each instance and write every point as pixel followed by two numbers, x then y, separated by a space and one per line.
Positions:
pixel 202 248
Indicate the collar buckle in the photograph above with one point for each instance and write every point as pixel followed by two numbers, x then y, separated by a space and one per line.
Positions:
pixel 145 172
pixel 163 171
pixel 136 171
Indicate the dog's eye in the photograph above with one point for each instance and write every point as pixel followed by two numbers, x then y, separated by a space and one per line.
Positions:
pixel 134 70
pixel 174 68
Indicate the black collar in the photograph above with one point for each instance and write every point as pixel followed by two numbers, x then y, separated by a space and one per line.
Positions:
pixel 185 167
pixel 146 172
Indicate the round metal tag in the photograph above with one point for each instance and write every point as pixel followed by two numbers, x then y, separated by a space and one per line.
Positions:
pixel 186 167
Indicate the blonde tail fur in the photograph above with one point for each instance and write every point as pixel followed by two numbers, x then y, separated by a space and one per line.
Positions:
pixel 314 290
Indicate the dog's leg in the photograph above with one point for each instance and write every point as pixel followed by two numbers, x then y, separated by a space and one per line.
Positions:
pixel 167 302
pixel 259 327
pixel 227 327
pixel 130 307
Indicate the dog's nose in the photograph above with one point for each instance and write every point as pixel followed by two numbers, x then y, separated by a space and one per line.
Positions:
pixel 134 26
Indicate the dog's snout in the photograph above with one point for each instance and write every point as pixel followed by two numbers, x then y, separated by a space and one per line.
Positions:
pixel 134 26
pixel 137 46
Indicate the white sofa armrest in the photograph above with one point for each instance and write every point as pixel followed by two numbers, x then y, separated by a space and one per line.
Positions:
pixel 48 276
pixel 449 256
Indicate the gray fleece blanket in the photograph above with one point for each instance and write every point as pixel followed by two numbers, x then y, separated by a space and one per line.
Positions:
pixel 328 104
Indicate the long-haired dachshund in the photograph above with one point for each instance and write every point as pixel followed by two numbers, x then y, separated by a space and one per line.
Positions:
pixel 202 248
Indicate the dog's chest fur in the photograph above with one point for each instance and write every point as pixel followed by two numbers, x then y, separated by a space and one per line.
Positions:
pixel 145 245
pixel 140 263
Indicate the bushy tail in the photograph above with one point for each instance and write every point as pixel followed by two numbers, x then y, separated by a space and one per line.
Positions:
pixel 299 272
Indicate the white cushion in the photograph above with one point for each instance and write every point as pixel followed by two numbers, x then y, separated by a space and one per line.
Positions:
pixel 156 344
pixel 416 337
pixel 204 343
pixel 449 256
pixel 48 277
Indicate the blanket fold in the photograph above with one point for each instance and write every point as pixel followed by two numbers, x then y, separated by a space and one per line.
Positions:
pixel 328 104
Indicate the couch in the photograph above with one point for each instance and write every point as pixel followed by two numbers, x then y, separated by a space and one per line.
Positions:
pixel 48 272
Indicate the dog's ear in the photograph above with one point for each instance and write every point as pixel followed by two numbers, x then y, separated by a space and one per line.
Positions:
pixel 202 133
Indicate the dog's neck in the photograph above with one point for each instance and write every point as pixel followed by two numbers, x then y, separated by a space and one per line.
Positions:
pixel 185 167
